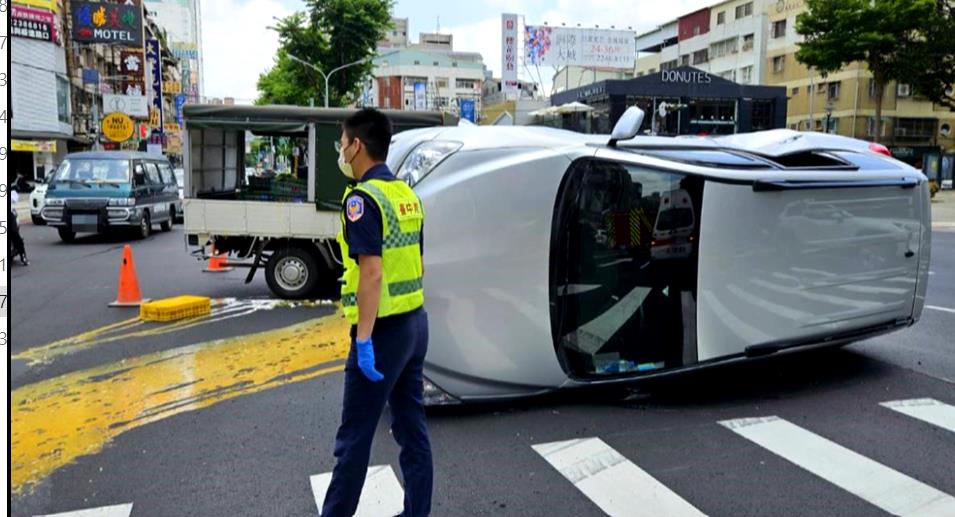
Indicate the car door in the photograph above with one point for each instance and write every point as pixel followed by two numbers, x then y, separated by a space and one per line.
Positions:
pixel 157 201
pixel 141 184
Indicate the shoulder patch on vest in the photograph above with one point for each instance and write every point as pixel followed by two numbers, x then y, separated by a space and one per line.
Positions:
pixel 355 208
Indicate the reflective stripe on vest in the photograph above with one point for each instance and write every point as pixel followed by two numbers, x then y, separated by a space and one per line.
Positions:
pixel 402 217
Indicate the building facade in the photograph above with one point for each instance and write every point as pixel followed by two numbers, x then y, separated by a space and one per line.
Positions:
pixel 755 42
pixel 182 21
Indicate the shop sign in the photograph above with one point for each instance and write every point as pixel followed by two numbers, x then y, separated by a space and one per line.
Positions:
pixel 685 76
pixel 132 105
pixel 184 50
pixel 154 63
pixel 180 102
pixel 90 76
pixel 171 128
pixel 33 146
pixel 48 5
pixel 112 23
pixel 171 87
pixel 784 6
pixel 508 53
pixel 131 62
pixel 117 127
pixel 32 24
pixel 134 88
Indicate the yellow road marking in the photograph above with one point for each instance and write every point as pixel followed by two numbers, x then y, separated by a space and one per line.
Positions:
pixel 57 420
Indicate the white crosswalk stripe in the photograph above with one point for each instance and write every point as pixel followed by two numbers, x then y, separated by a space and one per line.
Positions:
pixel 382 495
pixel 881 486
pixel 611 481
pixel 119 510
pixel 927 410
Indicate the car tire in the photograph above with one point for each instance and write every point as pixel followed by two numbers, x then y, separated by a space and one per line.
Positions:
pixel 292 273
pixel 167 224
pixel 145 226
pixel 37 220
pixel 66 235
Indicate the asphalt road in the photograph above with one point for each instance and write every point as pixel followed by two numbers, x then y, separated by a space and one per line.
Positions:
pixel 97 421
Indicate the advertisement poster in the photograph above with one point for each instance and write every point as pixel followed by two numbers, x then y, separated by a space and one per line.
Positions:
pixel 32 23
pixel 96 22
pixel 508 53
pixel 420 100
pixel 566 46
pixel 133 105
pixel 467 110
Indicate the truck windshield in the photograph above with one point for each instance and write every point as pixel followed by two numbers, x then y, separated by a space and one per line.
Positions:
pixel 93 171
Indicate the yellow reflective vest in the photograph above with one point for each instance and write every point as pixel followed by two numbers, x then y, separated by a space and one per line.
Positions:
pixel 402 218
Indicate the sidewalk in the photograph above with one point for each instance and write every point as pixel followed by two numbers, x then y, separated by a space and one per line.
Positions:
pixel 943 210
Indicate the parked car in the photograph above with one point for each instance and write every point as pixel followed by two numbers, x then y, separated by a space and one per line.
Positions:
pixel 111 190
pixel 562 260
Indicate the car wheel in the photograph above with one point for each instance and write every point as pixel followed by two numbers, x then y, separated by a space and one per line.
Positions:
pixel 66 235
pixel 292 273
pixel 37 220
pixel 145 226
pixel 167 224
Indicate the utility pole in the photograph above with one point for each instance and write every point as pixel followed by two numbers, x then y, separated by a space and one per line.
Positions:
pixel 326 77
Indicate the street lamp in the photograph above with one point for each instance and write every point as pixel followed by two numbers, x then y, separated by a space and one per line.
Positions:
pixel 325 76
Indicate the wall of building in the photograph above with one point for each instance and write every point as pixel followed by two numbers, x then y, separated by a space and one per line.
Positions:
pixel 36 67
pixel 571 77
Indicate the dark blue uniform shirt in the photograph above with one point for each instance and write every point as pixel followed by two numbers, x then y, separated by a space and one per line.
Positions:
pixel 363 226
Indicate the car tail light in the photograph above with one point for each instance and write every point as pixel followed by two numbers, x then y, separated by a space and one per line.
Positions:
pixel 879 149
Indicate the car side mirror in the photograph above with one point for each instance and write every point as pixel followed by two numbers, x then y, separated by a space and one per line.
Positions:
pixel 628 126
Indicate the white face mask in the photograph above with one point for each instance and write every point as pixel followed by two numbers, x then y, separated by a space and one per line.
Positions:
pixel 344 166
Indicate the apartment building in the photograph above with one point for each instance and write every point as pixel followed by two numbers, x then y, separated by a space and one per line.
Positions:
pixel 755 42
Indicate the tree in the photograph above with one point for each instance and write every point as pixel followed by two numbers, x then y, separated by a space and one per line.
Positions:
pixel 931 63
pixel 330 33
pixel 881 33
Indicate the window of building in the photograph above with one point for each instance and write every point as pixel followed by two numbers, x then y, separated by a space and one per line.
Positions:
pixel 746 74
pixel 915 129
pixel 464 84
pixel 417 62
pixel 833 90
pixel 762 117
pixel 701 56
pixel 669 65
pixel 833 125
pixel 441 82
pixel 724 47
pixel 435 63
pixel 454 64
pixel 62 100
pixel 744 10
pixel 685 60
pixel 903 90
pixel 870 126
pixel 652 70
pixel 729 75
pixel 721 17
pixel 779 28
pixel 795 91
pixel 779 64
pixel 696 30
pixel 748 42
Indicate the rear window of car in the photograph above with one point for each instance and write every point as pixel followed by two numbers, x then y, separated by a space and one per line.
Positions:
pixel 867 161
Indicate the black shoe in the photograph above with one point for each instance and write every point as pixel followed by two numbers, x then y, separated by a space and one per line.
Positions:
pixel 23 259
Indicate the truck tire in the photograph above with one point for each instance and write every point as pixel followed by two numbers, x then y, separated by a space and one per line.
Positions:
pixel 167 224
pixel 66 235
pixel 292 273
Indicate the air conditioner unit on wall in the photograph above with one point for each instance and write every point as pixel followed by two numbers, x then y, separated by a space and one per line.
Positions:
pixel 904 90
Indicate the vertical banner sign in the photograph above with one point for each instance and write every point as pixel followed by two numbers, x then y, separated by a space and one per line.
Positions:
pixel 508 53
pixel 467 110
pixel 420 101
pixel 154 61
pixel 180 102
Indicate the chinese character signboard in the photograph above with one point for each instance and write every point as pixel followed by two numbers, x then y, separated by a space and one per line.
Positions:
pixel 180 102
pixel 95 22
pixel 563 46
pixel 131 63
pixel 32 24
pixel 508 53
pixel 133 88
pixel 154 62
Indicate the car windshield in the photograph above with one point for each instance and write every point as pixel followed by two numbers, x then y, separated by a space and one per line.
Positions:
pixel 93 171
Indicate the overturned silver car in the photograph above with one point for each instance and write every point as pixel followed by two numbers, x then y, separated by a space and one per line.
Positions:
pixel 555 259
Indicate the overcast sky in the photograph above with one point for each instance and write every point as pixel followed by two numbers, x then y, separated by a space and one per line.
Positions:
pixel 237 45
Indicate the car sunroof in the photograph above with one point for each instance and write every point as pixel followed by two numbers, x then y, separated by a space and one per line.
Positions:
pixel 708 158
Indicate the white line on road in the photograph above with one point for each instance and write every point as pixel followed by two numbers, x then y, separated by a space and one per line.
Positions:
pixel 926 410
pixel 119 510
pixel 611 481
pixel 882 486
pixel 937 308
pixel 382 495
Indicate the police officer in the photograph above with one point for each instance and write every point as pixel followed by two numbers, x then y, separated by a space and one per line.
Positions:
pixel 382 297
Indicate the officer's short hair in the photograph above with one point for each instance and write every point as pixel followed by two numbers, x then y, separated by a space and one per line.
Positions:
pixel 373 128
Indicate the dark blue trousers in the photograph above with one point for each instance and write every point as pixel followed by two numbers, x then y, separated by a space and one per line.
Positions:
pixel 400 346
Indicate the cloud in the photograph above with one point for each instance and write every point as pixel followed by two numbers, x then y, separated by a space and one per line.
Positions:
pixel 237 46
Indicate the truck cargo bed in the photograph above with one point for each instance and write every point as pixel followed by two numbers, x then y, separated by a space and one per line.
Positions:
pixel 259 219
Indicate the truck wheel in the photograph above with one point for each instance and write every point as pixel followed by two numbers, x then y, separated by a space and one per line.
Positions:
pixel 167 225
pixel 145 226
pixel 292 273
pixel 66 235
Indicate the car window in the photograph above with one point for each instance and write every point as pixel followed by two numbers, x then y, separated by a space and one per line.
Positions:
pixel 88 170
pixel 166 172
pixel 139 175
pixel 152 172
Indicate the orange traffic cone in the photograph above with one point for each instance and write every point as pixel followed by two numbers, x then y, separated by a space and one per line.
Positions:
pixel 128 295
pixel 217 264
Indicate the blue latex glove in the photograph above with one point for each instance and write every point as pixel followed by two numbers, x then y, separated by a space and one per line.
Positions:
pixel 366 360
